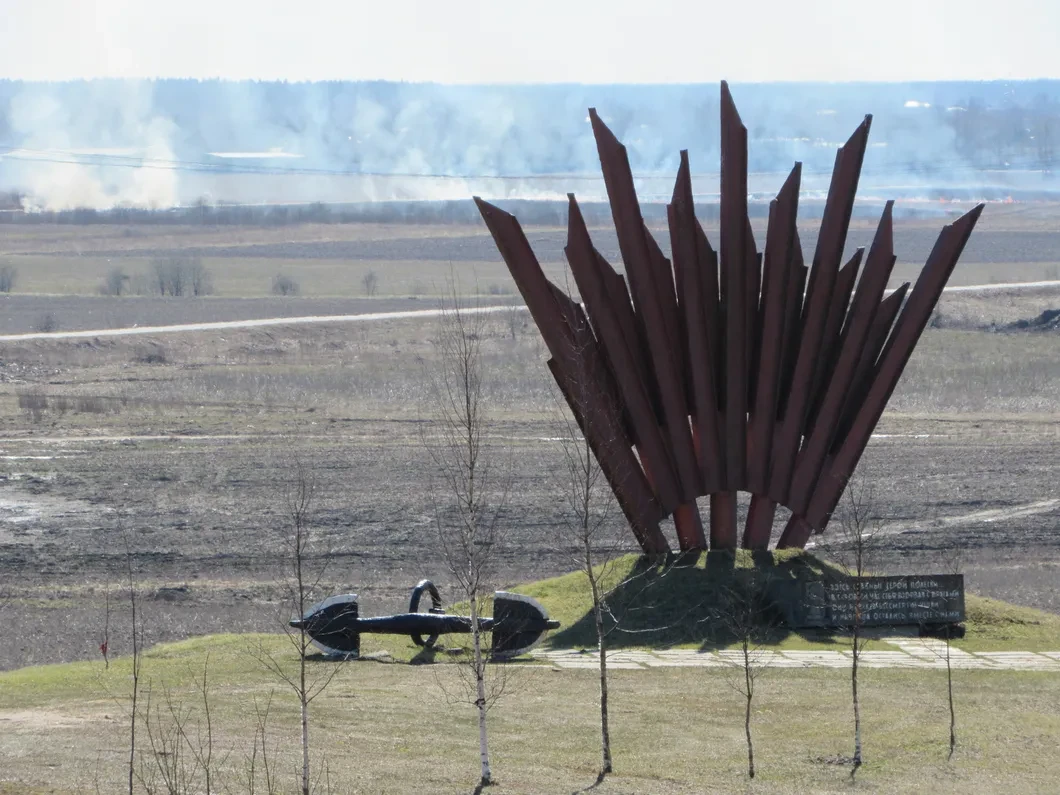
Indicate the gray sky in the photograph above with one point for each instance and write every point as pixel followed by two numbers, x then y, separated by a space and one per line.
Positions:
pixel 461 41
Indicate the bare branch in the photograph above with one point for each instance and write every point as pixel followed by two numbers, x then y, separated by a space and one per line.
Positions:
pixel 469 495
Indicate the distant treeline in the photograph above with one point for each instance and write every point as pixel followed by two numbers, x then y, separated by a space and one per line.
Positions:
pixel 537 212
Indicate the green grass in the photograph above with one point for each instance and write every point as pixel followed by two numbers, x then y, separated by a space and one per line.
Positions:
pixel 391 728
pixel 996 626
pixel 681 600
pixel 386 726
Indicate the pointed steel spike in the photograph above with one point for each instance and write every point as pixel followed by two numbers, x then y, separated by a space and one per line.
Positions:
pixel 910 325
pixel 778 268
pixel 691 263
pixel 792 327
pixel 585 263
pixel 781 237
pixel 651 284
pixel 734 293
pixel 834 225
pixel 572 344
pixel 862 315
pixel 830 338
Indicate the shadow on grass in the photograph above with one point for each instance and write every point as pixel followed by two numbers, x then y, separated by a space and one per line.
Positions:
pixel 599 780
pixel 689 598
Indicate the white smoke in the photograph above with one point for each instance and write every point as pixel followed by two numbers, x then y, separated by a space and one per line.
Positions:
pixel 159 143
pixel 116 120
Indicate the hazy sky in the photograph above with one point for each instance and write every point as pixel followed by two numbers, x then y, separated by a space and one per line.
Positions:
pixel 459 41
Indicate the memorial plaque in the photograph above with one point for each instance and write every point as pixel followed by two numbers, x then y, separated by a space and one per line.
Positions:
pixel 885 601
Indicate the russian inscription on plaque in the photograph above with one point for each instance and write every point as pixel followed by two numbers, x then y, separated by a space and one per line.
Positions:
pixel 885 601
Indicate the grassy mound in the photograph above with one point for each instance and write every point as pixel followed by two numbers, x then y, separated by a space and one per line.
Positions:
pixel 681 603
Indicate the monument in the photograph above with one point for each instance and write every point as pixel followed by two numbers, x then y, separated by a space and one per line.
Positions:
pixel 717 371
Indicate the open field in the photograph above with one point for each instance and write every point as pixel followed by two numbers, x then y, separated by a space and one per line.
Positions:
pixel 1012 244
pixel 186 440
pixel 386 726
pixel 176 450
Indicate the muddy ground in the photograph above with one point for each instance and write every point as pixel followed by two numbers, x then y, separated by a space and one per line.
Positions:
pixel 203 519
pixel 194 497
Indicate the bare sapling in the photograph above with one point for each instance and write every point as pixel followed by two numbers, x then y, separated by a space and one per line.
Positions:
pixel 591 530
pixel 104 633
pixel 179 761
pixel 745 616
pixel 202 748
pixel 137 639
pixel 164 768
pixel 859 527
pixel 304 563
pixel 256 764
pixel 468 491
pixel 953 565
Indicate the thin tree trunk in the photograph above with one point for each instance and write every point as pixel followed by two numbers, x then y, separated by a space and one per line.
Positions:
pixel 601 643
pixel 605 728
pixel 949 690
pixel 303 640
pixel 137 640
pixel 305 732
pixel 480 687
pixel 750 692
pixel 132 729
pixel 857 705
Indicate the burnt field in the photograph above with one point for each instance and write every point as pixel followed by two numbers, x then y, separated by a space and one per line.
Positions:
pixel 178 448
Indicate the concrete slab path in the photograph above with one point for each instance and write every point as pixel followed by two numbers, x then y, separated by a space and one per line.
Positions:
pixel 910 653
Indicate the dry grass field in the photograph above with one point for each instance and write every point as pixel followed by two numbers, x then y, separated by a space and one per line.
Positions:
pixel 181 445
pixel 388 728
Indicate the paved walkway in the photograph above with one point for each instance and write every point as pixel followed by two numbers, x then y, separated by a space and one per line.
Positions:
pixel 910 653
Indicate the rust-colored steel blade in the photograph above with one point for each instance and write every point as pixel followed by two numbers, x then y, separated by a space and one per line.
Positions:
pixel 582 376
pixel 832 238
pixel 617 295
pixel 779 265
pixel 589 269
pixel 734 292
pixel 753 285
pixel 693 259
pixel 759 526
pixel 867 359
pixel 862 314
pixel 689 527
pixel 526 271
pixel 830 339
pixel 779 257
pixel 911 324
pixel 723 527
pixel 711 306
pixel 649 275
pixel 669 310
pixel 619 466
pixel 795 534
pixel 792 328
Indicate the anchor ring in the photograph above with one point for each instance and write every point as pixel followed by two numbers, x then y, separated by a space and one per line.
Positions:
pixel 414 607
